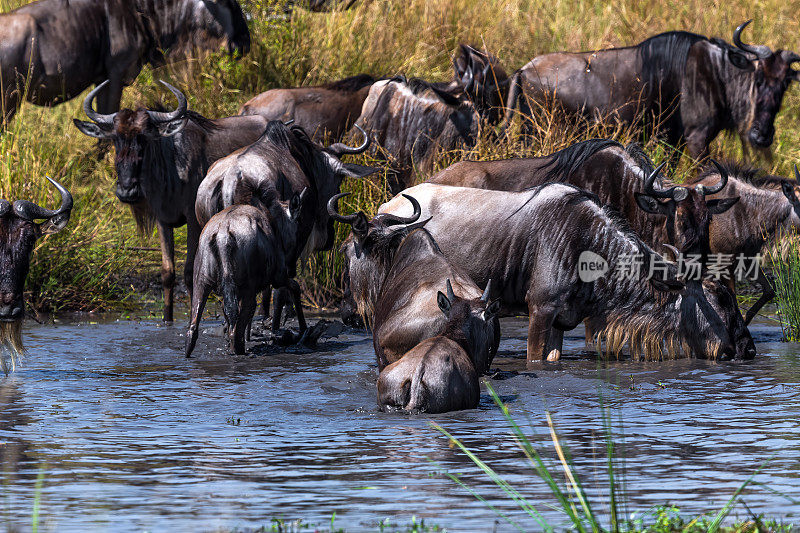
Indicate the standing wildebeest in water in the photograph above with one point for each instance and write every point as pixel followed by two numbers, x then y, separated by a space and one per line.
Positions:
pixel 440 374
pixel 18 235
pixel 161 158
pixel 287 160
pixel 244 250
pixel 688 86
pixel 324 111
pixel 395 281
pixel 622 177
pixel 769 207
pixel 529 244
pixel 51 50
pixel 412 121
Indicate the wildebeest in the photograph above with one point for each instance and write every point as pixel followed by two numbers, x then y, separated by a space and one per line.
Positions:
pixel 244 250
pixel 18 234
pixel 395 279
pixel 688 86
pixel 441 373
pixel 161 158
pixel 769 207
pixel 412 121
pixel 287 160
pixel 529 243
pixel 52 50
pixel 324 111
pixel 622 177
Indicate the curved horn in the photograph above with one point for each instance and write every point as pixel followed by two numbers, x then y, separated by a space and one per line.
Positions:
pixel 796 174
pixel 340 149
pixel 289 122
pixel 334 214
pixel 662 193
pixel 486 291
pixel 393 220
pixel 723 180
pixel 450 295
pixel 158 116
pixel 675 252
pixel 30 211
pixel 88 107
pixel 5 207
pixel 759 52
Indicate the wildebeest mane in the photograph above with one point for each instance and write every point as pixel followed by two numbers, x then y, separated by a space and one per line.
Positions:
pixel 663 58
pixel 351 84
pixel 419 86
pixel 568 160
pixel 747 173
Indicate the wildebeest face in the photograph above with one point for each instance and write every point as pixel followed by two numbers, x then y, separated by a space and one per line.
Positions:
pixel 483 79
pixel 133 134
pixel 224 19
pixel 773 75
pixel 792 193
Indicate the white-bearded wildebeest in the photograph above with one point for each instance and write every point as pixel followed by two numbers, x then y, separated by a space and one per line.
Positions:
pixel 324 111
pixel 287 160
pixel 412 121
pixel 529 244
pixel 51 50
pixel 395 281
pixel 244 250
pixel 622 177
pixel 18 235
pixel 689 86
pixel 161 158
pixel 769 207
pixel 440 374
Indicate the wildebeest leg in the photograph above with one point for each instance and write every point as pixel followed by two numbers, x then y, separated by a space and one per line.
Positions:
pixel 294 288
pixel 278 301
pixel 767 294
pixel 266 298
pixel 108 99
pixel 540 324
pixel 198 305
pixel 167 241
pixel 246 312
pixel 697 143
pixel 192 240
pixel 230 307
pixel 555 342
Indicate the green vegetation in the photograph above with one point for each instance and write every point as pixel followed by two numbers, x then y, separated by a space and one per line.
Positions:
pixel 582 513
pixel 785 262
pixel 100 262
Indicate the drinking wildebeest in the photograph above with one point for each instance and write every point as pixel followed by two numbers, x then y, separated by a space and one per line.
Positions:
pixel 688 86
pixel 622 177
pixel 324 111
pixel 244 250
pixel 395 280
pixel 440 374
pixel 161 158
pixel 287 160
pixel 53 50
pixel 18 235
pixel 530 243
pixel 412 121
pixel 769 207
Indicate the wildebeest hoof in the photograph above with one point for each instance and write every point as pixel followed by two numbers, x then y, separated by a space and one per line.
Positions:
pixel 554 355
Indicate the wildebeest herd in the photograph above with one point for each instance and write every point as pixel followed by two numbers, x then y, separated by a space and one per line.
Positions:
pixel 433 270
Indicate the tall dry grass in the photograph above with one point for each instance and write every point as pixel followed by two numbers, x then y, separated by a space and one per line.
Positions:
pixel 87 264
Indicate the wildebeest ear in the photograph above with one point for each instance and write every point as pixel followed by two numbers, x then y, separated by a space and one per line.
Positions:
pixel 357 171
pixel 360 225
pixel 651 205
pixel 667 285
pixel 444 303
pixel 788 192
pixel 91 129
pixel 739 60
pixel 492 309
pixel 720 205
pixel 168 129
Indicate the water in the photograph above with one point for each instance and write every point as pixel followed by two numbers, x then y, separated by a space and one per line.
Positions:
pixel 130 436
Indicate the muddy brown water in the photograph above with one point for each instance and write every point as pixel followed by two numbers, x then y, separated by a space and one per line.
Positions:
pixel 130 436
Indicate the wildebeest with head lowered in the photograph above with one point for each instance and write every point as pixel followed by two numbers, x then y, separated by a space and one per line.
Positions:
pixel 324 111
pixel 395 280
pixel 769 207
pixel 689 86
pixel 623 177
pixel 284 159
pixel 529 244
pixel 161 158
pixel 244 250
pixel 18 234
pixel 441 373
pixel 51 50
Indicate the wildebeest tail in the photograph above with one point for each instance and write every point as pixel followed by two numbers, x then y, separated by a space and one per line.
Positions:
pixel 511 102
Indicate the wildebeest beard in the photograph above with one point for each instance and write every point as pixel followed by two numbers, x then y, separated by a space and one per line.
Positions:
pixel 11 348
